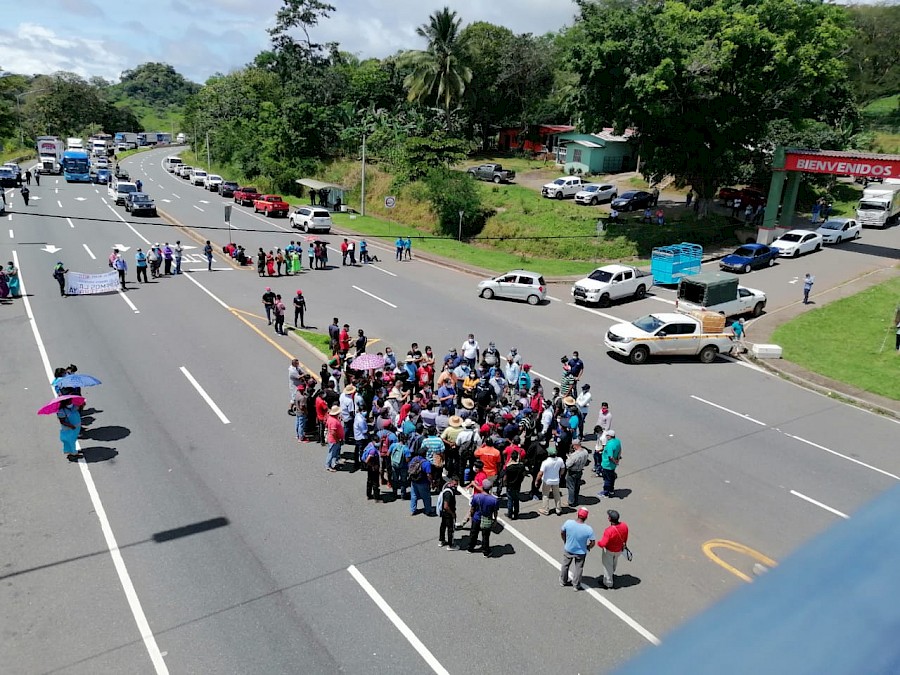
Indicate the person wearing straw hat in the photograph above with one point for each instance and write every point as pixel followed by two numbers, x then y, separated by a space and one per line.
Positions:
pixel 347 403
pixel 334 438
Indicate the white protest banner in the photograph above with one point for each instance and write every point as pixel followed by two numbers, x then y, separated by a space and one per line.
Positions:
pixel 78 283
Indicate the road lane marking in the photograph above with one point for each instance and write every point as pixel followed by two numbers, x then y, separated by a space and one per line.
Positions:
pixel 196 207
pixel 59 202
pixel 380 269
pixel 550 297
pixel 820 505
pixel 728 410
pixel 205 396
pixel 658 299
pixel 118 215
pixel 709 546
pixel 838 454
pixel 741 362
pixel 594 311
pixel 593 592
pixel 109 536
pixel 89 252
pixel 207 291
pixel 103 199
pixel 545 378
pixel 129 303
pixel 399 623
pixel 71 224
pixel 176 196
pixel 371 295
pixel 12 235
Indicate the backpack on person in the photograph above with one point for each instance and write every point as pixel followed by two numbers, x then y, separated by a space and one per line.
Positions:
pixel 416 469
pixel 384 449
pixel 373 461
pixel 398 454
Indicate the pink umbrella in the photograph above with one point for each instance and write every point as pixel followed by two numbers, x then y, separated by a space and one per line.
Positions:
pixel 52 407
pixel 367 362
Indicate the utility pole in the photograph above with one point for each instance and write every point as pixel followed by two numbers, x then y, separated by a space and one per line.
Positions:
pixel 461 213
pixel 362 205
pixel 207 151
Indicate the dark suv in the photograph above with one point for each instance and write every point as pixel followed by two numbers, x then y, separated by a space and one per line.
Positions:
pixel 227 188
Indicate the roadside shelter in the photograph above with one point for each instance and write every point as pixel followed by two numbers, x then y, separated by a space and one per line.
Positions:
pixel 335 195
pixel 542 138
pixel 602 152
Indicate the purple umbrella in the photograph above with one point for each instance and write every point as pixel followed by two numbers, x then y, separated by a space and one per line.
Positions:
pixel 367 362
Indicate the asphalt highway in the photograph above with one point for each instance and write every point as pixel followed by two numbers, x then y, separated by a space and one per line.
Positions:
pixel 241 554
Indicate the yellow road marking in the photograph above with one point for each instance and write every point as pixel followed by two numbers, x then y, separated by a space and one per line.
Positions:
pixel 236 313
pixel 709 546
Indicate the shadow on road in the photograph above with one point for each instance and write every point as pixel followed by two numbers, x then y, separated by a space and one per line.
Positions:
pixel 99 454
pixel 110 433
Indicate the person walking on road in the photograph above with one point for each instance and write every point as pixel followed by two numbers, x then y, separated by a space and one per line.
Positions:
pixel 398 245
pixel 548 476
pixel 612 455
pixel 577 460
pixel 739 333
pixel 483 514
pixel 334 438
pixel 26 193
pixel 808 281
pixel 268 301
pixel 155 257
pixel 613 542
pixel 299 308
pixel 446 506
pixel 27 177
pixel 59 273
pixel 140 265
pixel 261 262
pixel 578 539
pixel 121 267
pixel 407 249
pixel 208 252
pixel 70 426
pixel 279 310
pixel 37 178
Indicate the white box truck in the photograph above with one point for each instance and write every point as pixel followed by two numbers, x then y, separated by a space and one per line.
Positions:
pixel 879 205
pixel 126 140
pixel 75 144
pixel 50 151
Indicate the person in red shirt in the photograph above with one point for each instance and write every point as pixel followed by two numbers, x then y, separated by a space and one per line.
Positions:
pixel 490 456
pixel 510 449
pixel 613 542
pixel 321 414
pixel 334 438
pixel 344 341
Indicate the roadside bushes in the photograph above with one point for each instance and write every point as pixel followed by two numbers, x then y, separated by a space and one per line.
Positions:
pixel 451 192
pixel 714 231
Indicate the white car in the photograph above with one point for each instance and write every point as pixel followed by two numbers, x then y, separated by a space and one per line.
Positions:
pixel 595 193
pixel 795 243
pixel 836 230
pixel 212 182
pixel 198 176
pixel 567 186
pixel 311 219
pixel 517 285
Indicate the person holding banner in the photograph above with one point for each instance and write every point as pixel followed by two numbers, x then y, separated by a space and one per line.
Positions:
pixel 59 273
pixel 121 267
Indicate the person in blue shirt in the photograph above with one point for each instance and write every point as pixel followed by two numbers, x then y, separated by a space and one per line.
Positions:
pixel 140 263
pixel 372 463
pixel 483 514
pixel 407 249
pixel 419 472
pixel 578 538
pixel 399 246
pixel 452 359
pixel 363 251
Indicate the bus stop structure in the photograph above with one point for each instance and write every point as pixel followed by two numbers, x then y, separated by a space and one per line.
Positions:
pixel 789 163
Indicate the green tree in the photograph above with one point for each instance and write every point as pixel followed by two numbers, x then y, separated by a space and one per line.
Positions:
pixel 440 72
pixel 874 52
pixel 437 150
pixel 157 85
pixel 451 192
pixel 701 80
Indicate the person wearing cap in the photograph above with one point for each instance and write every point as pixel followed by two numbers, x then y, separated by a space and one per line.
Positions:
pixel 613 542
pixel 583 402
pixel 334 438
pixel 578 538
pixel 549 476
pixel 577 460
pixel 268 301
pixel 483 515
pixel 140 265
pixel 446 506
pixel 121 267
pixel 299 308
pixel 609 463
pixel 279 309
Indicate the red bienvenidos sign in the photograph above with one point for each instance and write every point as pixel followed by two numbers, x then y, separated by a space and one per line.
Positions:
pixel 842 165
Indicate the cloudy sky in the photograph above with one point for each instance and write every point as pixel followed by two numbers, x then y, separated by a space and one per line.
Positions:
pixel 201 37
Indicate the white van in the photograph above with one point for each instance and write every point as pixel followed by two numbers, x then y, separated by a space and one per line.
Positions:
pixel 119 190
pixel 171 162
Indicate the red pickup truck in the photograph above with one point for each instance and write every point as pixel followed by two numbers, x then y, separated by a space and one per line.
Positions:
pixel 271 205
pixel 245 196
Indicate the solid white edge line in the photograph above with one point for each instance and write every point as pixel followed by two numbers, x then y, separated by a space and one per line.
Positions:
pixel 625 618
pixel 594 311
pixel 545 378
pixel 820 505
pixel 380 269
pixel 372 295
pixel 109 536
pixel 129 302
pixel 851 459
pixel 206 397
pixel 399 623
pixel 206 290
pixel 741 362
pixel 89 252
pixel 728 410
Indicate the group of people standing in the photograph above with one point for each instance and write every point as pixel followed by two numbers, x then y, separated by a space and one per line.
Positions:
pixel 421 427
pixel 10 286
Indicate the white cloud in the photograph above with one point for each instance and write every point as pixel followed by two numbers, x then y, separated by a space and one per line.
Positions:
pixel 32 49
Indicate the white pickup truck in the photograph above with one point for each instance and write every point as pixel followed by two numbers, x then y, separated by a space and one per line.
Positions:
pixel 666 334
pixel 719 292
pixel 612 282
pixel 567 186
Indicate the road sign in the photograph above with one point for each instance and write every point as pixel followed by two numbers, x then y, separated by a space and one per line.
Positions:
pixel 228 213
pixel 390 202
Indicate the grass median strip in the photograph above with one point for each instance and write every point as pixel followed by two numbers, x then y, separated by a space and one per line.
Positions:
pixel 851 340
pixel 318 340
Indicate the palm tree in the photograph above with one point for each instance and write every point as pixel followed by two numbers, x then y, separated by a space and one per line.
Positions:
pixel 440 72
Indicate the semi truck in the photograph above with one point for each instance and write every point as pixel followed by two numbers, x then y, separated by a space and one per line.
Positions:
pixel 126 140
pixel 99 147
pixel 75 144
pixel 879 205
pixel 50 151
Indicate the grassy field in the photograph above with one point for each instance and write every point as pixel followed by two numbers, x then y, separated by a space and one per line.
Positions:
pixel 153 119
pixel 883 106
pixel 317 340
pixel 818 340
pixel 15 153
